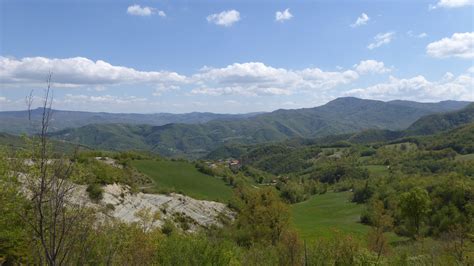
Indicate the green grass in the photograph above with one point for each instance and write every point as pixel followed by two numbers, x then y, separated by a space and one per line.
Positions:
pixel 322 215
pixel 183 177
pixel 377 170
pixel 466 157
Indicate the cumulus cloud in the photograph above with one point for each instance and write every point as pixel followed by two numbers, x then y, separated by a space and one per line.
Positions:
pixel 225 18
pixel 160 89
pixel 419 88
pixel 145 11
pixel 361 20
pixel 452 3
pixel 459 45
pixel 371 66
pixel 79 71
pixel 255 78
pixel 381 39
pixel 283 15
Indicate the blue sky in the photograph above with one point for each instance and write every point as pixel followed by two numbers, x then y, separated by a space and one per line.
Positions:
pixel 234 56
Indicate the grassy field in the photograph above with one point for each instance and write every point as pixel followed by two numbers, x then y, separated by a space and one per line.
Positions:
pixel 466 157
pixel 183 177
pixel 320 215
pixel 377 170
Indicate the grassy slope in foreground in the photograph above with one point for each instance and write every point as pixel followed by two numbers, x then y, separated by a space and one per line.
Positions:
pixel 318 216
pixel 183 177
pixel 322 214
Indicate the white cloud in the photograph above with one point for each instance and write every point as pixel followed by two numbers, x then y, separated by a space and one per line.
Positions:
pixel 381 39
pixel 283 15
pixel 255 78
pixel 145 11
pixel 252 78
pixel 452 3
pixel 418 87
pixel 448 76
pixel 101 99
pixel 225 18
pixel 241 90
pixel 419 35
pixel 160 89
pixel 460 45
pixel 161 13
pixel 79 71
pixel 371 66
pixel 361 20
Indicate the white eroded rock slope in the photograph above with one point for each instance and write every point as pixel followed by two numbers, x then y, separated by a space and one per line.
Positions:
pixel 126 204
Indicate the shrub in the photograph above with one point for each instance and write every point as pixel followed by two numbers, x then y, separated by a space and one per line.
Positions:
pixel 168 228
pixel 95 191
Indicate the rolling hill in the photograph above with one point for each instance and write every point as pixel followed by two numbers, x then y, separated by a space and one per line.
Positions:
pixel 440 122
pixel 17 122
pixel 343 115
pixel 447 130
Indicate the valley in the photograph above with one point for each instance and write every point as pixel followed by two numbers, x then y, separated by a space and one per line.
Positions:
pixel 325 191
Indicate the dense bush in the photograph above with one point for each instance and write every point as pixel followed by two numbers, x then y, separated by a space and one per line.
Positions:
pixel 334 172
pixel 95 192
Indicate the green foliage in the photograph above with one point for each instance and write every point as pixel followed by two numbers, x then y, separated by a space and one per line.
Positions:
pixel 362 193
pixel 195 250
pixel 293 192
pixel 14 239
pixel 414 206
pixel 95 192
pixel 168 228
pixel 280 159
pixel 334 172
pixel 441 122
pixel 339 249
pixel 263 217
pixel 343 115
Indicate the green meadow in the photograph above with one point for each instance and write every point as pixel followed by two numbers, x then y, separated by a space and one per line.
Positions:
pixel 465 157
pixel 183 177
pixel 322 214
pixel 377 170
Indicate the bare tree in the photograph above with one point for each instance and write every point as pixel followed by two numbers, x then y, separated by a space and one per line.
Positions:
pixel 56 222
pixel 29 102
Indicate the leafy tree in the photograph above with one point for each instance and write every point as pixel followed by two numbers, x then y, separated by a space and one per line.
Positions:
pixel 262 216
pixel 415 206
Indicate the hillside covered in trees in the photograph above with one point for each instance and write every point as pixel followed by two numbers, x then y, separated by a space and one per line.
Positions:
pixel 343 115
pixel 336 199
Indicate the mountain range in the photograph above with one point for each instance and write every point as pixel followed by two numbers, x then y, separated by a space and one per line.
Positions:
pixel 340 116
pixel 19 122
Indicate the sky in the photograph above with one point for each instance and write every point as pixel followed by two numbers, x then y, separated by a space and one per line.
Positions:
pixel 233 56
